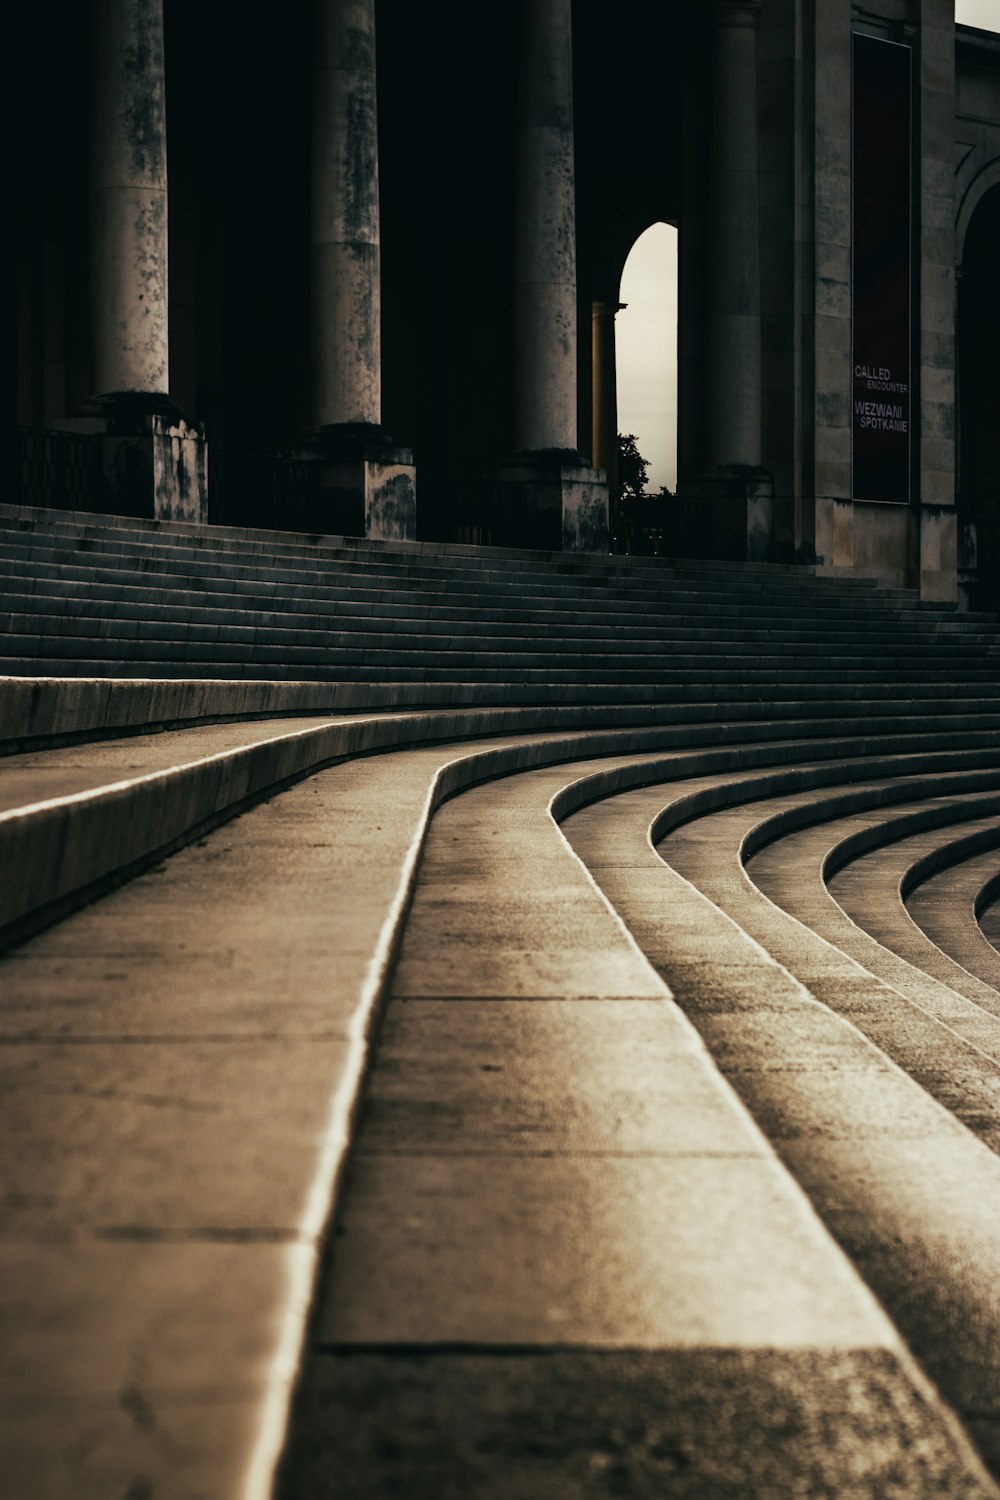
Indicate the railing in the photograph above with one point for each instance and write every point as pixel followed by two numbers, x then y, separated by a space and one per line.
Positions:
pixel 645 526
pixel 59 470
pixel 263 489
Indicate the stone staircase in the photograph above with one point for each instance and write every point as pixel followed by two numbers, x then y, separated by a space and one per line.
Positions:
pixel 583 1078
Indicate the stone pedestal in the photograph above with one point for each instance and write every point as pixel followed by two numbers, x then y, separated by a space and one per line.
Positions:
pixel 727 515
pixel 552 500
pixel 153 463
pixel 367 486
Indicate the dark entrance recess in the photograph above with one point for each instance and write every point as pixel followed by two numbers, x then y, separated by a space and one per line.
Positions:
pixel 979 401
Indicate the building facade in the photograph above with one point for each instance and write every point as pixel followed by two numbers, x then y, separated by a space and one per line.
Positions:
pixel 321 276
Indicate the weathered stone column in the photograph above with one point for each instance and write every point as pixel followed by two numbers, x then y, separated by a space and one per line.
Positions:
pixel 733 374
pixel 367 485
pixel 545 311
pixel 129 202
pixel 155 463
pixel 557 499
pixel 344 240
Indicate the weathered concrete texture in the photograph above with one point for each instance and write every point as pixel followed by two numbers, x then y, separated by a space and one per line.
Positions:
pixel 153 466
pixel 884 543
pixel 345 348
pixel 345 333
pixel 938 552
pixel 128 259
pixel 834 534
pixel 556 500
pixel 180 471
pixel 367 486
pixel 391 501
pixel 700 1424
pixel 545 307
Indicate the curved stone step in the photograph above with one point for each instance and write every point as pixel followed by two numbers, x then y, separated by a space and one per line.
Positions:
pixel 944 906
pixel 551 1192
pixel 911 1194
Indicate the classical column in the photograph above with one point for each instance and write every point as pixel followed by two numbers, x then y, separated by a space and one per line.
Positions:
pixel 545 309
pixel 344 240
pixel 733 372
pixel 129 201
pixel 553 498
pixel 154 462
pixel 366 484
pixel 604 385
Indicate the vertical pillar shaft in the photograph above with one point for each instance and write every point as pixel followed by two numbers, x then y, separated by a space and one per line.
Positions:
pixel 545 310
pixel 129 200
pixel 605 390
pixel 733 374
pixel 344 240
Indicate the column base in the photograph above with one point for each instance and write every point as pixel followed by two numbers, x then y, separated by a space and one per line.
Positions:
pixel 153 461
pixel 551 499
pixel 366 486
pixel 728 515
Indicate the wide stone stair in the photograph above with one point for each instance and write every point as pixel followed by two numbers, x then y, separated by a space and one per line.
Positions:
pixel 583 1079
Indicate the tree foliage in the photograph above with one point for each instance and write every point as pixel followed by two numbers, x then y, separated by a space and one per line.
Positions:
pixel 633 469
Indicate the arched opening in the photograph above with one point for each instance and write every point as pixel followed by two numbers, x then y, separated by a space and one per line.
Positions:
pixel 645 398
pixel 979 403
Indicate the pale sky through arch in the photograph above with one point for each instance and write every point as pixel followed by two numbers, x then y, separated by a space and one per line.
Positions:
pixel 982 13
pixel 646 352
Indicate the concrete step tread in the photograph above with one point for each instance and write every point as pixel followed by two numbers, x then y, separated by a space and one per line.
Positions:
pixel 25 561
pixel 61 598
pixel 871 886
pixel 904 1188
pixel 475 1205
pixel 39 522
pixel 42 711
pixel 945 906
pixel 530 685
pixel 437 636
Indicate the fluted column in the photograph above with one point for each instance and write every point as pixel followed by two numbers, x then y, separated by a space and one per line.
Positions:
pixel 129 201
pixel 733 374
pixel 344 239
pixel 545 310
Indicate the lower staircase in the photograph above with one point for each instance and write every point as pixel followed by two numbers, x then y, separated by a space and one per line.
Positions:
pixel 492 1023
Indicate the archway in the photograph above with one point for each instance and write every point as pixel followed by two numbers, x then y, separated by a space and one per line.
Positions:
pixel 635 353
pixel 979 402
